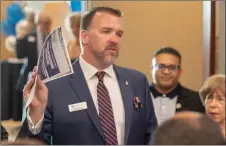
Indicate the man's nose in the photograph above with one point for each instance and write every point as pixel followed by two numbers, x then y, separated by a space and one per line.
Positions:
pixel 166 70
pixel 115 38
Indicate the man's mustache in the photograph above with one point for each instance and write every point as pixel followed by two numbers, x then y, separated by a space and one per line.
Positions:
pixel 112 46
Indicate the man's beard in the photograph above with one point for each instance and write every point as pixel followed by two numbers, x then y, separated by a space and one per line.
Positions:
pixel 110 58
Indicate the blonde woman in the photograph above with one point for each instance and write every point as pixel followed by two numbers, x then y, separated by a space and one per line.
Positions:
pixel 212 95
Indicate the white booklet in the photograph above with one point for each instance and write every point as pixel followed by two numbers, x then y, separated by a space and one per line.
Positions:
pixel 54 61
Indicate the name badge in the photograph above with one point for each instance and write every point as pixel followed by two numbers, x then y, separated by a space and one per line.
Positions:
pixel 77 106
pixel 31 39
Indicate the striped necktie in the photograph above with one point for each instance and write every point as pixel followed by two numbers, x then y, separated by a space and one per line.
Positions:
pixel 106 115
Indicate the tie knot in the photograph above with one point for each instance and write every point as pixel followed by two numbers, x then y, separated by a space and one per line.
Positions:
pixel 100 75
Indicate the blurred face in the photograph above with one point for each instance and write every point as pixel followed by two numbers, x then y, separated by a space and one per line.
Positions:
pixel 165 71
pixel 23 28
pixel 75 29
pixel 44 25
pixel 103 38
pixel 215 105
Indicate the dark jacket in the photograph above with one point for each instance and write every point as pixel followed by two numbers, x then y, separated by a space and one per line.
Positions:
pixel 188 100
pixel 26 48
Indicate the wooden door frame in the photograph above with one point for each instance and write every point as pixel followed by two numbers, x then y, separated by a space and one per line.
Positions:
pixel 212 51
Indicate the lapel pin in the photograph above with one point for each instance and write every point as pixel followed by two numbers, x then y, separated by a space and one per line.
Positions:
pixel 178 106
pixel 127 83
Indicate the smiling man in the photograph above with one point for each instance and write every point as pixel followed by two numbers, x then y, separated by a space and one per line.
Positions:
pixel 168 95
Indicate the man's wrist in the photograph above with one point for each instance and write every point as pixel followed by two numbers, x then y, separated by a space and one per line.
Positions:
pixel 35 115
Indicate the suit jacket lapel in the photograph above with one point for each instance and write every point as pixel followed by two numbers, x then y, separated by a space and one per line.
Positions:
pixel 180 101
pixel 127 96
pixel 80 86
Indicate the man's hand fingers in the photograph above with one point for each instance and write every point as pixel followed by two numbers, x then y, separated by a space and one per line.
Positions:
pixel 33 75
pixel 35 69
pixel 40 84
pixel 27 87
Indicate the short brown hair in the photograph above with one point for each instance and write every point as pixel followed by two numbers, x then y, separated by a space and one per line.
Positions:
pixel 88 16
pixel 212 83
pixel 168 50
pixel 200 130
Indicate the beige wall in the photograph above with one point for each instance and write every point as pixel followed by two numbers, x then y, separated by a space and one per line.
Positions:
pixel 151 24
pixel 57 11
pixel 4 54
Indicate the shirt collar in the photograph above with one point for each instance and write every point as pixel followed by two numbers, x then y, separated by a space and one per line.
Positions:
pixel 90 71
pixel 175 92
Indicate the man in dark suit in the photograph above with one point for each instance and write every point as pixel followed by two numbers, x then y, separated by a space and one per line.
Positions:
pixel 168 95
pixel 100 103
pixel 30 46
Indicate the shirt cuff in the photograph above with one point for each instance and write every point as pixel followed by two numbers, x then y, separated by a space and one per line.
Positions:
pixel 34 129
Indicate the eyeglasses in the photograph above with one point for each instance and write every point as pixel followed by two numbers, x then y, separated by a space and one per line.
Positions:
pixel 163 67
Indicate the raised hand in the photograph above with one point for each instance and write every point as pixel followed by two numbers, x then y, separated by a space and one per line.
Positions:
pixel 39 102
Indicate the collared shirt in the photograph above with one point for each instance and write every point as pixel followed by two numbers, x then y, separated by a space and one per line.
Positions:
pixel 164 104
pixel 111 83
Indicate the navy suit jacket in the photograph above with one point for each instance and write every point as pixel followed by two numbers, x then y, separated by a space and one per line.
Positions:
pixel 83 127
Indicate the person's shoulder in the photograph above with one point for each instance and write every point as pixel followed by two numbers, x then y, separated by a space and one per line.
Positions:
pixel 188 91
pixel 194 98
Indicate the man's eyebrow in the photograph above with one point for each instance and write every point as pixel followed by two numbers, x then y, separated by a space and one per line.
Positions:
pixel 109 28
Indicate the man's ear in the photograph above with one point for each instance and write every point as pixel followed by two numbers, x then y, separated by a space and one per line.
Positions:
pixel 180 71
pixel 84 37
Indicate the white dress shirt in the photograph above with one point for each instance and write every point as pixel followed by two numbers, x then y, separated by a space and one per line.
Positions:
pixel 164 107
pixel 111 82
